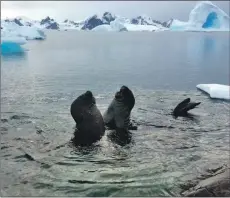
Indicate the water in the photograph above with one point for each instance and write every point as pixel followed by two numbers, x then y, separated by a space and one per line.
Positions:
pixel 161 68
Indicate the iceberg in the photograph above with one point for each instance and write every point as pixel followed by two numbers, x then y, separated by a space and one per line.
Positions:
pixel 9 47
pixel 217 91
pixel 12 45
pixel 204 17
pixel 11 29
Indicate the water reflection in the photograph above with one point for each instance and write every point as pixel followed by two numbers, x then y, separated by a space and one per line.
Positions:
pixel 14 57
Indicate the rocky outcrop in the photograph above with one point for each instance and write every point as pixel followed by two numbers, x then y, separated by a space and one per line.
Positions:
pixel 91 23
pixel 145 20
pixel 49 23
pixel 107 18
pixel 167 24
pixel 18 22
pixel 216 184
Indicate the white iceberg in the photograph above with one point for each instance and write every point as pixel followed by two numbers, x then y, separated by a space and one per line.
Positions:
pixel 11 29
pixel 204 17
pixel 217 91
pixel 149 28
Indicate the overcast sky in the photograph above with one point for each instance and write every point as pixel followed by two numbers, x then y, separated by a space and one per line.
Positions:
pixel 78 10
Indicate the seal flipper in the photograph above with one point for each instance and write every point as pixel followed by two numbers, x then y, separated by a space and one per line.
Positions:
pixel 183 107
pixel 182 104
pixel 190 106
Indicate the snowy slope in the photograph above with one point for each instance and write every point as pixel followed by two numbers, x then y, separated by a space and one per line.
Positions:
pixel 204 17
pixel 123 24
pixel 70 25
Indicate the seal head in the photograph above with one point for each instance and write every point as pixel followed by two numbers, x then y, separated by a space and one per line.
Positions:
pixel 118 113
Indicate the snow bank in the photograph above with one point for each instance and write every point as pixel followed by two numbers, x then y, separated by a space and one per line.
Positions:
pixel 204 17
pixel 216 90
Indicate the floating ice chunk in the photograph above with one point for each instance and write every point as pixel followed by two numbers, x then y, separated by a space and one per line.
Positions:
pixel 30 33
pixel 132 27
pixel 217 91
pixel 10 47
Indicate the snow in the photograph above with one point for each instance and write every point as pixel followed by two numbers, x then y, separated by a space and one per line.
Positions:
pixel 204 17
pixel 103 28
pixel 217 91
pixel 120 24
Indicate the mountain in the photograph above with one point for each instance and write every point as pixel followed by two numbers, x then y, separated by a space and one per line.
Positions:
pixel 108 17
pixel 49 23
pixel 90 23
pixel 145 20
pixel 204 16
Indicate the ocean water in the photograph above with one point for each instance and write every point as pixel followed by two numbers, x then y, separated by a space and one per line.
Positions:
pixel 162 69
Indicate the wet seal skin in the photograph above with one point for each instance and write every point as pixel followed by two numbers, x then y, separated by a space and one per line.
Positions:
pixel 183 108
pixel 117 116
pixel 89 122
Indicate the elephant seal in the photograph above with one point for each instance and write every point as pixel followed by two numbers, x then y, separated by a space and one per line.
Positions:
pixel 117 116
pixel 183 107
pixel 89 121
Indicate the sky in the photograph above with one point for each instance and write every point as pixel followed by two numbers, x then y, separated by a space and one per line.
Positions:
pixel 79 10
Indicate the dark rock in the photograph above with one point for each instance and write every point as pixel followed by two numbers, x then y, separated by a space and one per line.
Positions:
pixel 217 185
pixel 44 21
pixel 91 23
pixel 53 26
pixel 107 18
pixel 18 22
pixel 167 24
pixel 134 21
pixel 142 21
pixel 50 23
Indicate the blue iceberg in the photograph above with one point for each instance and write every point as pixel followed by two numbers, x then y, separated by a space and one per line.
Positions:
pixel 204 17
pixel 8 48
pixel 212 21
